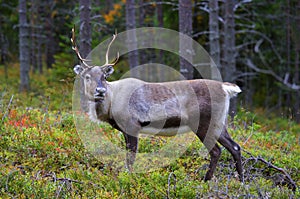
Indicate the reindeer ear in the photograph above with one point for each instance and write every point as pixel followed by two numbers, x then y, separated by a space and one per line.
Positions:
pixel 108 71
pixel 78 69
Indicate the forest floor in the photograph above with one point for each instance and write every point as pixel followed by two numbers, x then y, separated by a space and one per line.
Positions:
pixel 43 156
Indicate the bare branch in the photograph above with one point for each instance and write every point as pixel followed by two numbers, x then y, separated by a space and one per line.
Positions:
pixel 241 3
pixel 283 81
pixel 291 182
pixel 174 4
pixel 203 5
pixel 246 44
pixel 201 33
pixel 264 37
pixel 205 9
pixel 240 75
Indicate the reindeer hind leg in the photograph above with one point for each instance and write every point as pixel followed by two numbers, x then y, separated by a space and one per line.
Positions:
pixel 234 149
pixel 214 152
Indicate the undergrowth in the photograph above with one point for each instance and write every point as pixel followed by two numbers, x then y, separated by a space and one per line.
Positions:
pixel 42 156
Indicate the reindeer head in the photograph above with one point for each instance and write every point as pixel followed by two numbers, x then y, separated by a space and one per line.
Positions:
pixel 93 77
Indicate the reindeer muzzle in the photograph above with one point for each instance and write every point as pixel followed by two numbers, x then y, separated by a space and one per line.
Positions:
pixel 100 93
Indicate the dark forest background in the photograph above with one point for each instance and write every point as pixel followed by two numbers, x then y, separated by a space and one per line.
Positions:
pixel 256 44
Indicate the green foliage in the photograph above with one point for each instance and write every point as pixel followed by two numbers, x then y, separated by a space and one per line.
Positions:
pixel 8 19
pixel 47 91
pixel 62 68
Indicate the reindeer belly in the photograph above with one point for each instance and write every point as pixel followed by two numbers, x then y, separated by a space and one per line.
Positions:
pixel 172 131
pixel 169 126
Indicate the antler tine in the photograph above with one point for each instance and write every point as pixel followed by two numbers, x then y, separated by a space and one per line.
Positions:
pixel 116 59
pixel 107 53
pixel 75 48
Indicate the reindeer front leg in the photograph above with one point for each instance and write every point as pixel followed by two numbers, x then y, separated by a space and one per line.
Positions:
pixel 131 147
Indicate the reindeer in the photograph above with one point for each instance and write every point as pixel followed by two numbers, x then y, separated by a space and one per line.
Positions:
pixel 135 107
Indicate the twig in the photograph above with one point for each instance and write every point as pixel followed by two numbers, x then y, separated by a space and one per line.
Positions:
pixel 250 133
pixel 8 177
pixel 46 110
pixel 59 112
pixel 69 180
pixel 169 184
pixel 7 109
pixel 52 175
pixel 201 33
pixel 59 189
pixel 55 179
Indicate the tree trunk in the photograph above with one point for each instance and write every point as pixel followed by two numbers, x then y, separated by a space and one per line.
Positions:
pixel 33 33
pixel 131 36
pixel 49 32
pixel 287 21
pixel 23 47
pixel 39 54
pixel 229 66
pixel 160 14
pixel 214 35
pixel 297 65
pixel 143 56
pixel 50 48
pixel 160 19
pixel 85 27
pixel 4 53
pixel 229 50
pixel 297 81
pixel 186 27
pixel 141 13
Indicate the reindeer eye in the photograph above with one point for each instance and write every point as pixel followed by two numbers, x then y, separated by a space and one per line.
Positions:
pixel 87 77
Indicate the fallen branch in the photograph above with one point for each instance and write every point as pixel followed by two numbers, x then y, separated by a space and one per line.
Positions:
pixel 55 179
pixel 291 183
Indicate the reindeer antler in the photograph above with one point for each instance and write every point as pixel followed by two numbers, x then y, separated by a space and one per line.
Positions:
pixel 107 53
pixel 75 48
